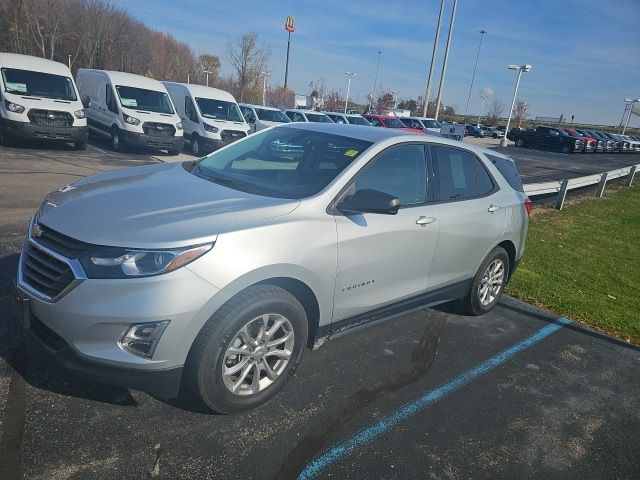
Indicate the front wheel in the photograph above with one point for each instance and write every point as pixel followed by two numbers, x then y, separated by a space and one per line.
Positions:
pixel 519 142
pixel 565 149
pixel 196 148
pixel 81 145
pixel 488 284
pixel 248 350
pixel 116 140
pixel 6 140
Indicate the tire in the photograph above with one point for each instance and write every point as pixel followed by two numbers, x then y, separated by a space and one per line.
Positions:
pixel 116 140
pixel 81 145
pixel 174 151
pixel 6 140
pixel 519 142
pixel 473 304
pixel 565 149
pixel 196 147
pixel 210 351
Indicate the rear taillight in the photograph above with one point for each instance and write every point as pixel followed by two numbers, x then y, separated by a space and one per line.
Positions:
pixel 528 205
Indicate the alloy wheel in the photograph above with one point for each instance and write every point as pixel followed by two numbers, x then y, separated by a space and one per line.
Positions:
pixel 491 283
pixel 258 354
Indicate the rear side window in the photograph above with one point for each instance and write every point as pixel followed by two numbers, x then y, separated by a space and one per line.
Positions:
pixel 189 109
pixel 458 175
pixel 508 169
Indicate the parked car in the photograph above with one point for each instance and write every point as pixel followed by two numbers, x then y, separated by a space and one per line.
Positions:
pixel 131 110
pixel 493 132
pixel 210 117
pixel 589 144
pixel 619 144
pixel 388 121
pixel 260 117
pixel 429 126
pixel 39 100
pixel 356 119
pixel 299 115
pixel 223 270
pixel 546 137
pixel 634 144
pixel 626 145
pixel 474 131
pixel 608 145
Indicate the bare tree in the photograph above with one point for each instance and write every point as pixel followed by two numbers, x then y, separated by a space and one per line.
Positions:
pixel 384 103
pixel 44 18
pixel 494 111
pixel 279 97
pixel 248 59
pixel 334 101
pixel 208 63
pixel 520 111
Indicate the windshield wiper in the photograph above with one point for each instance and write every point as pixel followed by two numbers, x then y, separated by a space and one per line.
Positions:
pixel 219 178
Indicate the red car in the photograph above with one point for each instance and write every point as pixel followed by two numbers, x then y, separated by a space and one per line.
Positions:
pixel 387 121
pixel 589 144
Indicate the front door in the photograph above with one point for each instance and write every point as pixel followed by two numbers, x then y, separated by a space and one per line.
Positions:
pixel 384 258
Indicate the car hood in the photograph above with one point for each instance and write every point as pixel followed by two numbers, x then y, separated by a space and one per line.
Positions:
pixel 154 206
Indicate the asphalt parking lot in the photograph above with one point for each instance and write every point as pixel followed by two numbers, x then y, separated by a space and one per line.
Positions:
pixel 515 394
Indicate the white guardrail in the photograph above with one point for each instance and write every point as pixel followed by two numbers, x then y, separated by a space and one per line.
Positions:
pixel 562 186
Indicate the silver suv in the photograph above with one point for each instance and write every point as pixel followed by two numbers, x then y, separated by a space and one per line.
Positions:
pixel 211 277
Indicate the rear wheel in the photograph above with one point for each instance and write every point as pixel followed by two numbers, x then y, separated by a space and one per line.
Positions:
pixel 519 142
pixel 565 149
pixel 488 284
pixel 116 140
pixel 81 145
pixel 196 148
pixel 248 350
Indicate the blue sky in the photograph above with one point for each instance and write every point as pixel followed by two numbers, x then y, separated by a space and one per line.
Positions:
pixel 585 54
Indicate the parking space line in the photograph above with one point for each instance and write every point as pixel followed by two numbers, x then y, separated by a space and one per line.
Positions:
pixel 372 432
pixel 98 149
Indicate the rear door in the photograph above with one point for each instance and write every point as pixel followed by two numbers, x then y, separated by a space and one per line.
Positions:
pixel 384 258
pixel 470 211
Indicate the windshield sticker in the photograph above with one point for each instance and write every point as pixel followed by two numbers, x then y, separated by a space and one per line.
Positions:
pixel 351 153
pixel 129 102
pixel 17 87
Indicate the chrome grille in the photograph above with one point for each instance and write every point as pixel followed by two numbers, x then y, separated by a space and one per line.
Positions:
pixel 66 246
pixel 158 129
pixel 50 118
pixel 43 272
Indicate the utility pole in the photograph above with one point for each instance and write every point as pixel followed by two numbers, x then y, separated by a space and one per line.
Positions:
pixel 427 94
pixel 188 78
pixel 346 102
pixel 375 81
pixel 289 27
pixel 481 107
pixel 473 77
pixel 446 58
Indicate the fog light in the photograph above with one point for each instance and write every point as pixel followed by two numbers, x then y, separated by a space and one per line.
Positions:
pixel 141 339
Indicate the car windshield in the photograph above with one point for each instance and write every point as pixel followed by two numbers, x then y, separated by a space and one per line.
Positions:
pixel 393 123
pixel 219 109
pixel 318 118
pixel 38 84
pixel 284 162
pixel 432 123
pixel 358 120
pixel 272 115
pixel 145 100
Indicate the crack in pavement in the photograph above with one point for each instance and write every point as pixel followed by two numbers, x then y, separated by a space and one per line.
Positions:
pixel 422 358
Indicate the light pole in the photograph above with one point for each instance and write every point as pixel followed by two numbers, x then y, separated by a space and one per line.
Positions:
pixel 207 72
pixel 473 77
pixel 631 102
pixel 346 102
pixel 446 58
pixel 188 78
pixel 264 85
pixel 375 81
pixel 289 27
pixel 520 69
pixel 427 94
pixel 481 107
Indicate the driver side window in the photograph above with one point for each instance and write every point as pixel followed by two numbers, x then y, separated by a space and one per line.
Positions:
pixel 110 100
pixel 398 171
pixel 189 109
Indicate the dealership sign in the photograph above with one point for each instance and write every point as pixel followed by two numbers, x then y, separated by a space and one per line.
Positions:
pixel 453 131
pixel 289 26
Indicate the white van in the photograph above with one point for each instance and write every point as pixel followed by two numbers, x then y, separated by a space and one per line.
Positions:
pixel 259 117
pixel 38 99
pixel 210 116
pixel 131 110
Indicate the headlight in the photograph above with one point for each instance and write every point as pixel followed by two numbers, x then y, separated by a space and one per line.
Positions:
pixel 114 262
pixel 13 107
pixel 131 120
pixel 210 128
pixel 79 113
pixel 179 125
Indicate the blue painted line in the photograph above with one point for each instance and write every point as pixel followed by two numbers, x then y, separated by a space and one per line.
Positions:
pixel 368 434
pixel 98 149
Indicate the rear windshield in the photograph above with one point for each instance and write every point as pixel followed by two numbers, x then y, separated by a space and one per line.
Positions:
pixel 393 123
pixel 38 84
pixel 219 109
pixel 358 121
pixel 508 169
pixel 432 123
pixel 318 118
pixel 145 100
pixel 272 115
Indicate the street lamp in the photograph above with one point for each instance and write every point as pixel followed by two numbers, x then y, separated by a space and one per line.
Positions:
pixel 520 69
pixel 481 107
pixel 346 102
pixel 264 86
pixel 473 77
pixel 631 102
pixel 188 78
pixel 207 72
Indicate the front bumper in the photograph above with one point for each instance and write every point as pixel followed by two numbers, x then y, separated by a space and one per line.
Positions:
pixel 24 130
pixel 152 141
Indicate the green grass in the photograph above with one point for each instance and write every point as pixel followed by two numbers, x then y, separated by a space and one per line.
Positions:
pixel 583 262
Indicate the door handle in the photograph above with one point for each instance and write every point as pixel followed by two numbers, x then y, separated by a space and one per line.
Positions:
pixel 424 221
pixel 493 208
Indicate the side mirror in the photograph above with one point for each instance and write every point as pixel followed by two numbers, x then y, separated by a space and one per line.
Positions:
pixel 368 200
pixel 251 119
pixel 86 101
